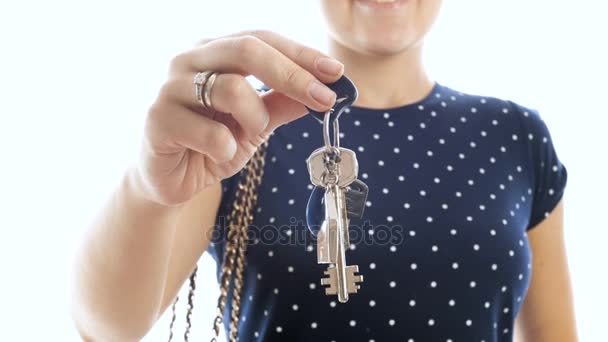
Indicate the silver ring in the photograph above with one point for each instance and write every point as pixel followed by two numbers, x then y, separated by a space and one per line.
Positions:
pixel 200 83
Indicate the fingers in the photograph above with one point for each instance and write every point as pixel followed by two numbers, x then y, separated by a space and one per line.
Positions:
pixel 325 68
pixel 294 71
pixel 282 110
pixel 231 93
pixel 248 55
pixel 176 126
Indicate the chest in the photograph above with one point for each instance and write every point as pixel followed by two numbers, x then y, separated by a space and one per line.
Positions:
pixel 448 205
pixel 442 245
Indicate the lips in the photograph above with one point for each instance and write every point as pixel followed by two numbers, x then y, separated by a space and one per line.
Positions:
pixel 381 4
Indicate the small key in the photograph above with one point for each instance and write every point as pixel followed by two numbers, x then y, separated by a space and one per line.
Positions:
pixel 356 196
pixel 348 167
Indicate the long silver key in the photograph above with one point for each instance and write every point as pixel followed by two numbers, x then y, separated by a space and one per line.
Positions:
pixel 341 278
pixel 327 238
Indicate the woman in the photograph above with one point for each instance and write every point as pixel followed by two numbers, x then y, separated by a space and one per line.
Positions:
pixel 467 188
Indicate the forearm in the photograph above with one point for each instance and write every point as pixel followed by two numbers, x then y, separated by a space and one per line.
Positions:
pixel 121 266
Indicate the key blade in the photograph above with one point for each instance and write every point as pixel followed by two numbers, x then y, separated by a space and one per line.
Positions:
pixel 323 245
pixel 331 280
pixel 332 218
pixel 331 291
pixel 353 280
pixel 342 234
pixel 315 210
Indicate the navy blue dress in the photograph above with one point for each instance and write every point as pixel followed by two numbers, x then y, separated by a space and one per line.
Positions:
pixel 455 182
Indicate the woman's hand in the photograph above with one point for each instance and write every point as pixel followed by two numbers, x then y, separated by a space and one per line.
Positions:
pixel 187 148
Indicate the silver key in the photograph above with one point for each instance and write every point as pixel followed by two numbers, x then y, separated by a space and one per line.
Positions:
pixel 347 168
pixel 341 278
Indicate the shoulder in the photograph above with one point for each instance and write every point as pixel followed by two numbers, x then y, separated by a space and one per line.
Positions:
pixel 525 138
pixel 518 127
pixel 520 119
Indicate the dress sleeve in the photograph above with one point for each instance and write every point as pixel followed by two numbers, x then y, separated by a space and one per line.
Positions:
pixel 549 173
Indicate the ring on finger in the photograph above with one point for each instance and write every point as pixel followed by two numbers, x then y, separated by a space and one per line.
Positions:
pixel 203 82
pixel 207 90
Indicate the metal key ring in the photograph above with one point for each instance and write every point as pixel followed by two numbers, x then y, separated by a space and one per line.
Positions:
pixel 326 138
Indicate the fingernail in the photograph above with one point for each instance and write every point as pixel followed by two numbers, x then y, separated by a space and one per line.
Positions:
pixel 321 93
pixel 330 66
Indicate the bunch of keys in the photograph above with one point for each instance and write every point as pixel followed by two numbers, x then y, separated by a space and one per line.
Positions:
pixel 337 197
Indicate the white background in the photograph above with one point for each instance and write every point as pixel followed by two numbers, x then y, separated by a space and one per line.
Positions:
pixel 76 79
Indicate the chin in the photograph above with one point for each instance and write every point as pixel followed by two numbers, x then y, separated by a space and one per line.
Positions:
pixel 389 44
pixel 380 27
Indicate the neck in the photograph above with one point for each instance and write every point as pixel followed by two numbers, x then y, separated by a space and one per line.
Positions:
pixel 385 81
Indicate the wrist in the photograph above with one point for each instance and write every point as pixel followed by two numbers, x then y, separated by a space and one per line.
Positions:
pixel 135 190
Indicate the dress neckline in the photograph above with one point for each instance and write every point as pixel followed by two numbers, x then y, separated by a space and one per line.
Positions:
pixel 428 99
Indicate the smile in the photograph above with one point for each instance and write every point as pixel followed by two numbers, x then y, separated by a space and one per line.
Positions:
pixel 381 4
